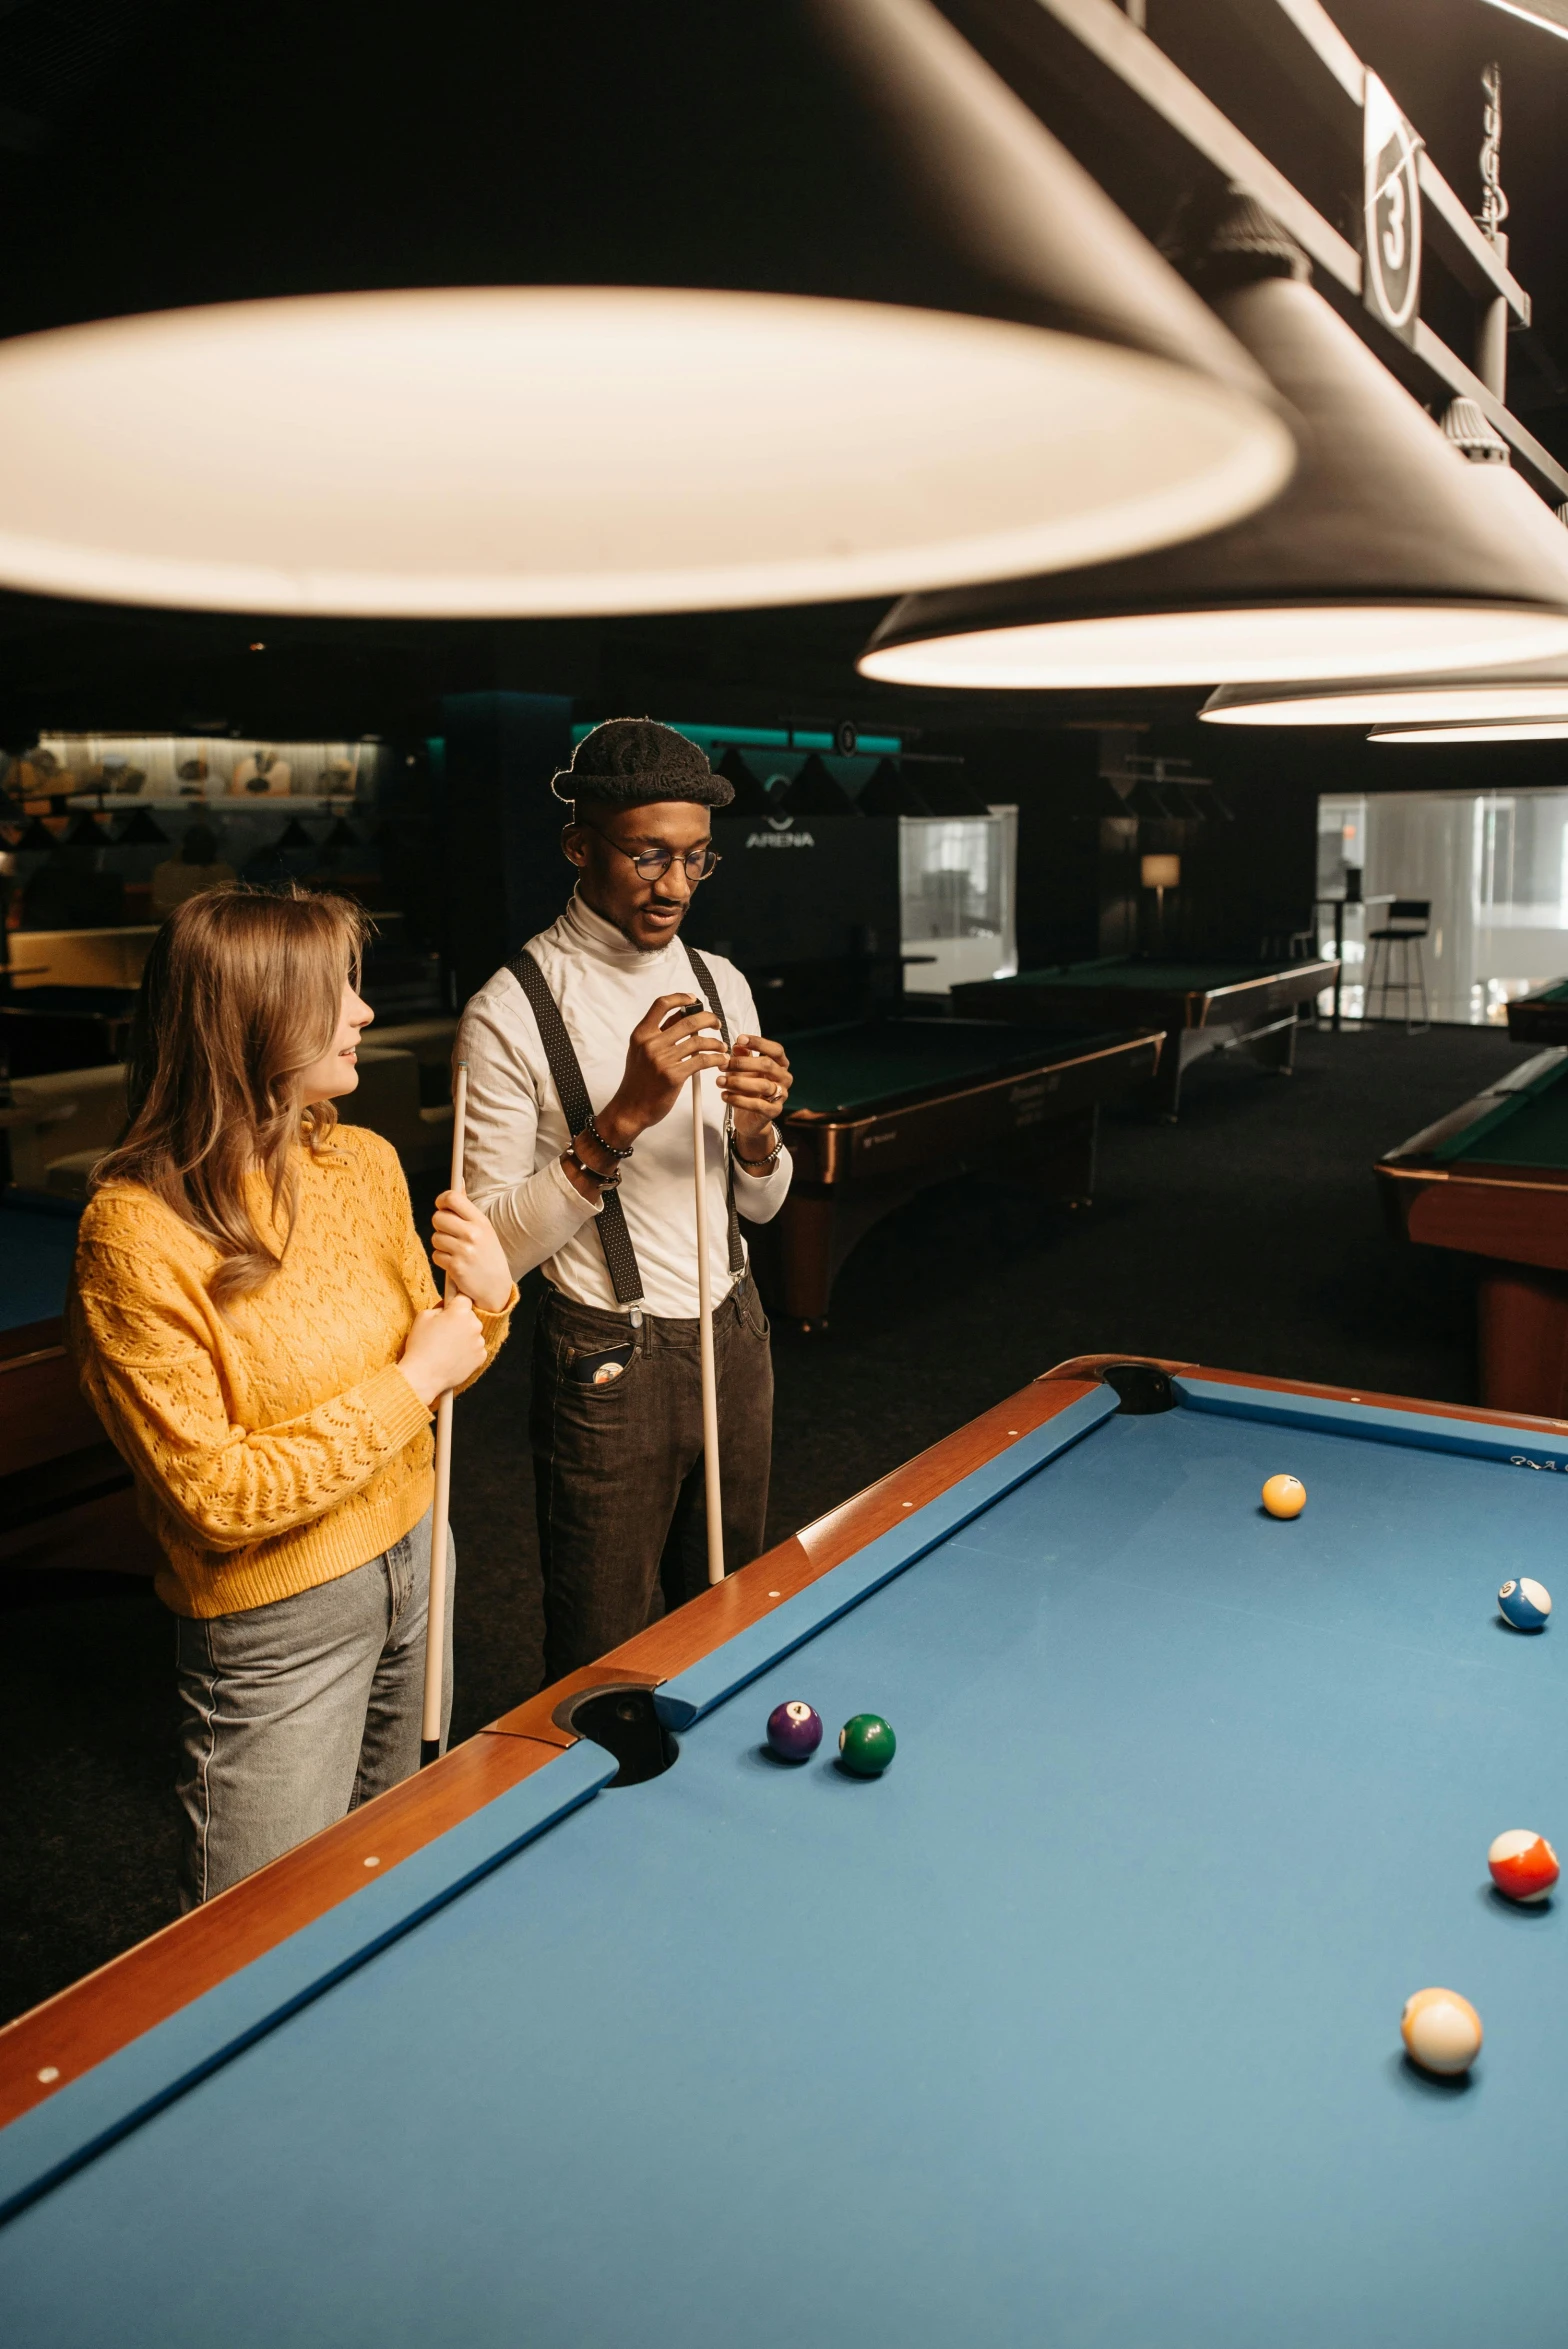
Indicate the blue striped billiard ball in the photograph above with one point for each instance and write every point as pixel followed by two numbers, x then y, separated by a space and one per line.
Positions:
pixel 1525 1604
pixel 794 1732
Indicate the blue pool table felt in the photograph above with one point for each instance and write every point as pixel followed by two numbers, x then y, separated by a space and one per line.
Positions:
pixel 1080 2026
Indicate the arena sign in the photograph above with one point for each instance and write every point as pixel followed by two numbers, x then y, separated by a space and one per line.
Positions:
pixel 780 834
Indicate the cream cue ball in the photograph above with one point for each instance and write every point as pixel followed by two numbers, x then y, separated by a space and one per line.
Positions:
pixel 1441 2030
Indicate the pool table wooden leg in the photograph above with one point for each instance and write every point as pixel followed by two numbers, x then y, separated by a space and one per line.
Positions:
pixel 1164 1094
pixel 798 1256
pixel 1522 1334
pixel 1274 1047
pixel 792 1258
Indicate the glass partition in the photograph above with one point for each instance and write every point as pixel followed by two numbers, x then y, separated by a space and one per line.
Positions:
pixel 958 888
pixel 1494 867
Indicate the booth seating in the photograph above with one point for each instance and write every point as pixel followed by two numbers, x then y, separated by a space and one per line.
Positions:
pixel 81 958
pixel 388 1102
pixel 431 1042
pixel 78 1114
pixel 73 1115
pixel 65 1494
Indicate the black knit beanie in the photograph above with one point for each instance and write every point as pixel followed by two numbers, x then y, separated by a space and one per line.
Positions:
pixel 630 762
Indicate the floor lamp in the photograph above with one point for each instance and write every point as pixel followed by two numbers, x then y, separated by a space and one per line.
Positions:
pixel 1159 874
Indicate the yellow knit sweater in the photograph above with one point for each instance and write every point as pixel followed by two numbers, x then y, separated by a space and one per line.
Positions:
pixel 275 1445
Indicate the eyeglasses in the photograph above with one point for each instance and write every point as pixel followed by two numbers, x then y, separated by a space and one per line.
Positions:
pixel 653 863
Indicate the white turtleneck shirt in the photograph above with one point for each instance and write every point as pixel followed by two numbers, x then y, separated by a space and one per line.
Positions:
pixel 604 987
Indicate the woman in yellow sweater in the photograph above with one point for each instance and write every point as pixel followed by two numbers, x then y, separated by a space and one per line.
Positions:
pixel 255 1322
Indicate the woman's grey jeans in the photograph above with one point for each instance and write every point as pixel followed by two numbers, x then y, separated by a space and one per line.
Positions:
pixel 293 1714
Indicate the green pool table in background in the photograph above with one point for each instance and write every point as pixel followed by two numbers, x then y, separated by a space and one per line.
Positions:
pixel 1201 1006
pixel 1491 1181
pixel 881 1109
pixel 1542 1016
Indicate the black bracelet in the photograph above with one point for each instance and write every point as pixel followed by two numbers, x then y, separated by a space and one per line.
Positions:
pixel 608 1148
pixel 760 1165
pixel 606 1182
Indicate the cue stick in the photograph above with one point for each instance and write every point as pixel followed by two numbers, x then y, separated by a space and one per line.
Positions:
pixel 440 1531
pixel 710 1391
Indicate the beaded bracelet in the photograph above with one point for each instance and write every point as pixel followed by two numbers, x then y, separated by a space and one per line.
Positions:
pixel 609 1149
pixel 758 1165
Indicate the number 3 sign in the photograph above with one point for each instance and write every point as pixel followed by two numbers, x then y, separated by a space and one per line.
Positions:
pixel 1391 215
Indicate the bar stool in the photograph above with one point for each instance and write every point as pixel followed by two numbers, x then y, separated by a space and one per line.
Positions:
pixel 1409 921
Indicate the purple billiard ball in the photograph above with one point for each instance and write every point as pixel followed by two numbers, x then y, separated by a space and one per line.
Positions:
pixel 794 1732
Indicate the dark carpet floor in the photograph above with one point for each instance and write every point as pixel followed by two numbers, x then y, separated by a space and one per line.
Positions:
pixel 1248 1237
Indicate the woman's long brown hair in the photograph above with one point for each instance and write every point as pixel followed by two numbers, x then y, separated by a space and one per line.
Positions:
pixel 242 991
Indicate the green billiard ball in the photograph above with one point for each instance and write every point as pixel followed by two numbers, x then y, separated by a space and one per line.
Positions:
pixel 866 1745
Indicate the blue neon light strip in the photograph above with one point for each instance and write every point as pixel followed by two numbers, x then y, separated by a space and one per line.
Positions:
pixel 870 746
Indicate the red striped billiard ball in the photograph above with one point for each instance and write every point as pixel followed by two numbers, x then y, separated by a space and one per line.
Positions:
pixel 1523 1864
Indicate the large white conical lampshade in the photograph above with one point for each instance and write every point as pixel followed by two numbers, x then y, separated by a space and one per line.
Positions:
pixel 1534 691
pixel 585 308
pixel 1498 730
pixel 1380 557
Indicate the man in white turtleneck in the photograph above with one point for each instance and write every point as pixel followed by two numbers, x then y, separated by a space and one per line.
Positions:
pixel 616 1417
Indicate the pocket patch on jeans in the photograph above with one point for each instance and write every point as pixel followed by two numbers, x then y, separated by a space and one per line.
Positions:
pixel 600 1370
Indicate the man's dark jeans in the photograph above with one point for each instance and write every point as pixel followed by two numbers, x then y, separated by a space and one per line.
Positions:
pixel 616 1430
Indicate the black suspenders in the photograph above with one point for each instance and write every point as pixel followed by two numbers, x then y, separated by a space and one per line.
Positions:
pixel 619 1255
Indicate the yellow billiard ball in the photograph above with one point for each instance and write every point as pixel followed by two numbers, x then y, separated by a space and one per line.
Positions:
pixel 1284 1496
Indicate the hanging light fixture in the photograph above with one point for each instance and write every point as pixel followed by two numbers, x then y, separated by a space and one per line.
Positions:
pixel 1465 428
pixel 1379 558
pixel 87 830
pixel 1538 689
pixel 142 830
pixel 1548 16
pixel 1518 730
pixel 892 791
pixel 37 839
pixel 531 345
pixel 815 791
pixel 749 797
pixel 294 835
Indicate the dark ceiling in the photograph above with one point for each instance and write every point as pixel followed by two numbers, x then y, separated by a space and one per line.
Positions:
pixel 71 666
pixel 1430 53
